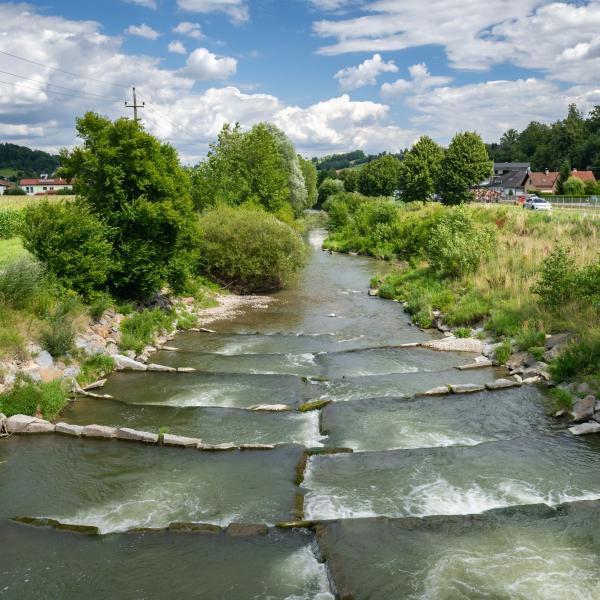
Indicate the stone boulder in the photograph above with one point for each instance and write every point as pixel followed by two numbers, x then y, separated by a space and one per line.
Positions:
pixel 125 363
pixel 441 390
pixel 68 429
pixel 26 424
pixel 180 440
pixel 501 384
pixel 585 428
pixel 125 433
pixel 466 388
pixel 161 368
pixel 583 408
pixel 98 431
pixel 44 360
pixel 454 344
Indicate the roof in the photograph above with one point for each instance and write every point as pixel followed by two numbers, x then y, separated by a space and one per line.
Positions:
pixel 511 166
pixel 583 175
pixel 542 179
pixel 513 179
pixel 56 181
pixel 5 183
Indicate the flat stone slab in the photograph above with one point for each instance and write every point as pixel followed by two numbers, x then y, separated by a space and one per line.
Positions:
pixel 217 447
pixel 585 428
pixel 501 384
pixel 186 370
pixel 454 344
pixel 94 386
pixel 68 429
pixel 170 349
pixel 98 431
pixel 410 345
pixel 124 363
pixel 246 529
pixel 26 424
pixel 271 407
pixel 441 390
pixel 466 388
pixel 180 440
pixel 161 368
pixel 480 364
pixel 257 447
pixel 125 433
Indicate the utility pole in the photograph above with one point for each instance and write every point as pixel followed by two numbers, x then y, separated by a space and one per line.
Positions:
pixel 135 106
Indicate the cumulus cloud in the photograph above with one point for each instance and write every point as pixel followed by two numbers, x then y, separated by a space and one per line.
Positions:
pixel 203 64
pixel 144 31
pixel 192 30
pixel 352 78
pixel 236 10
pixel 420 80
pixel 145 3
pixel 177 47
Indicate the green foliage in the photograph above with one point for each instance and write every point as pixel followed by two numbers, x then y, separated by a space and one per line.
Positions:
pixel 555 285
pixel 458 245
pixel 462 332
pixel 72 243
pixel 578 359
pixel 25 398
pixel 465 163
pixel 99 305
pixel 186 320
pixel 537 352
pixel 503 352
pixel 380 177
pixel 10 223
pixel 562 399
pixel 563 176
pixel 26 162
pixel 15 191
pixel 573 186
pixel 140 329
pixel 135 188
pixel 58 334
pixel 309 173
pixel 530 336
pixel 328 188
pixel 468 308
pixel 249 250
pixel 421 170
pixel 350 177
pixel 20 281
pixel 95 367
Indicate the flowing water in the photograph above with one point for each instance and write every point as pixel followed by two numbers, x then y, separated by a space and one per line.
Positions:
pixel 400 459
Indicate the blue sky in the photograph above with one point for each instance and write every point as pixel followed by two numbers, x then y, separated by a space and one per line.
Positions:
pixel 334 74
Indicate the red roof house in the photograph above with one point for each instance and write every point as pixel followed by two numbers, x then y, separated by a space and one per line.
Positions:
pixel 542 181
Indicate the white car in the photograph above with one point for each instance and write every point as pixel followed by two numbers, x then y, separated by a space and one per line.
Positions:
pixel 537 203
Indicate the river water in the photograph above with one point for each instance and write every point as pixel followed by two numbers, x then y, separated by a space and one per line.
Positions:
pixel 494 455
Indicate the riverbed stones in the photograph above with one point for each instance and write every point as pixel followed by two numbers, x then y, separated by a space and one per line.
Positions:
pixel 257 447
pixel 68 429
pixel 181 441
pixel 186 370
pixel 583 408
pixel 585 428
pixel 161 368
pixel 25 424
pixel 454 344
pixel 125 363
pixel 246 529
pixel 271 407
pixel 217 447
pixel 501 384
pixel 94 386
pixel 478 364
pixel 440 390
pixel 125 433
pixel 466 388
pixel 98 431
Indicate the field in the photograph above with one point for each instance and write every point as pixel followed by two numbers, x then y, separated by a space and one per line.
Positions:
pixel 11 250
pixel 18 202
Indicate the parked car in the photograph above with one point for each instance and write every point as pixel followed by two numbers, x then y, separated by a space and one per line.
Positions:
pixel 537 203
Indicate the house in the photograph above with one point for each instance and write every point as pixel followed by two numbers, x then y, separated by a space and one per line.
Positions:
pixel 585 176
pixel 542 181
pixel 511 183
pixel 44 185
pixel 4 185
pixel 502 168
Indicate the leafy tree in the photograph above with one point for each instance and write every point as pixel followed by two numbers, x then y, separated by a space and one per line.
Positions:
pixel 309 171
pixel 563 175
pixel 557 276
pixel 573 186
pixel 134 185
pixel 465 164
pixel 328 188
pixel 421 170
pixel 380 177
pixel 350 178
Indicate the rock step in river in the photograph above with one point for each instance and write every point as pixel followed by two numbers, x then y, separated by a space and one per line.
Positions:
pixel 406 457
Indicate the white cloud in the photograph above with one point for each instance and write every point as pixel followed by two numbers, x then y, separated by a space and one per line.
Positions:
pixel 145 3
pixel 420 80
pixel 352 78
pixel 177 47
pixel 144 31
pixel 236 10
pixel 192 30
pixel 329 4
pixel 203 64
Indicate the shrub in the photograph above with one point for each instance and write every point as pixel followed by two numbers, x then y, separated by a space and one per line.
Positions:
pixel 328 188
pixel 462 332
pixel 573 187
pixel 457 244
pixel 577 359
pixel 503 352
pixel 141 328
pixel 99 305
pixel 14 191
pixel 562 399
pixel 530 337
pixel 10 223
pixel 25 398
pixel 248 249
pixel 19 282
pixel 95 367
pixel 555 285
pixel 72 243
pixel 58 336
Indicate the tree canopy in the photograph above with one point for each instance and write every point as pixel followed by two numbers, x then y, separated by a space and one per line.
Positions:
pixel 421 170
pixel 380 177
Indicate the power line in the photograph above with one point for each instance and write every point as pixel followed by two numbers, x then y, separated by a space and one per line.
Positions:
pixel 23 85
pixel 33 62
pixel 60 86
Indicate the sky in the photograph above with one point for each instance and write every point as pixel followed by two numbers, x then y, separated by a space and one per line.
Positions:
pixel 335 75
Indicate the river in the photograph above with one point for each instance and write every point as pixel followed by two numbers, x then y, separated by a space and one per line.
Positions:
pixel 459 497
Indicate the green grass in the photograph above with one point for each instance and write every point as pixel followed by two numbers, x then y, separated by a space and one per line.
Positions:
pixel 25 398
pixel 11 250
pixel 140 329
pixel 94 368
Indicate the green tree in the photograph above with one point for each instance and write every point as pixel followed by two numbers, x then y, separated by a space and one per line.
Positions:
pixel 563 175
pixel 466 163
pixel 380 177
pixel 350 178
pixel 134 185
pixel 574 187
pixel 421 170
pixel 309 171
pixel 328 188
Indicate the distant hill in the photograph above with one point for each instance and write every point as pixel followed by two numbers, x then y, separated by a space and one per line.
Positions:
pixel 17 162
pixel 348 160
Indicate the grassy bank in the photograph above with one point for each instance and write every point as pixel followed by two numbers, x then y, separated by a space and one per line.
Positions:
pixel 497 267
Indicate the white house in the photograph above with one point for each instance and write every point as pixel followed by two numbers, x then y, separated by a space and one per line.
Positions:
pixel 4 185
pixel 44 185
